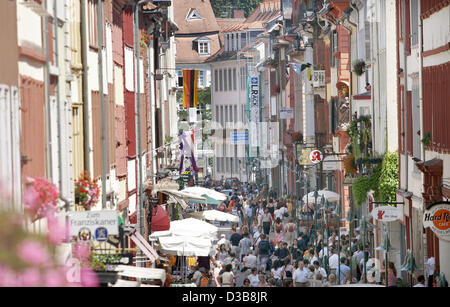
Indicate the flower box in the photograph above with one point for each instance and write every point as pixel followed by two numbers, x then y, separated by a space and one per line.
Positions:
pixel 105 277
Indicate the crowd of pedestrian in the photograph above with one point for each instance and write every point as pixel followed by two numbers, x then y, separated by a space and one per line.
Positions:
pixel 268 247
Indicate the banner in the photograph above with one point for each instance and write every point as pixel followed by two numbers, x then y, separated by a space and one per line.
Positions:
pixel 190 88
pixel 253 96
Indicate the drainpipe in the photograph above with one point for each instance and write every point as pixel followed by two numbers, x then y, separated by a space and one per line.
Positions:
pixel 405 92
pixel 46 44
pixel 58 99
pixel 102 98
pixel 85 88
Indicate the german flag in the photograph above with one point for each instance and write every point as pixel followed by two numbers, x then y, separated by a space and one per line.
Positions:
pixel 190 83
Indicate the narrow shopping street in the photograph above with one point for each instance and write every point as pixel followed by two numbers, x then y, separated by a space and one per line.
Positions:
pixel 225 144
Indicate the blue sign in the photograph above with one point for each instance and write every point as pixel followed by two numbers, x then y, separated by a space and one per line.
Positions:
pixel 101 234
pixel 239 138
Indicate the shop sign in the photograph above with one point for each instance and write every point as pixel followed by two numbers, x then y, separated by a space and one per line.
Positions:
pixel 437 217
pixel 286 113
pixel 316 156
pixel 387 214
pixel 97 224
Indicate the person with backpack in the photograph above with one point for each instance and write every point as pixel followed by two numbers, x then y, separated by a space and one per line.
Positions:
pixel 263 250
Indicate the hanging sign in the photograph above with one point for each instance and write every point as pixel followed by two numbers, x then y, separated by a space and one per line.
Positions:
pixel 286 113
pixel 387 214
pixel 437 217
pixel 316 156
pixel 86 224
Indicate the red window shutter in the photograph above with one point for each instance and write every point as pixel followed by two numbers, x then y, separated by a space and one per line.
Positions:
pixel 410 124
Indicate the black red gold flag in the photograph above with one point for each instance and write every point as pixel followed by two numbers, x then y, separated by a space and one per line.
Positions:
pixel 190 90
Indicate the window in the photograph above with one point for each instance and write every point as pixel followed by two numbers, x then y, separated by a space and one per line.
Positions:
pixel 230 81
pixel 180 78
pixel 203 48
pixel 234 79
pixel 216 80
pixel 201 78
pixel 220 80
pixel 225 80
pixel 414 22
pixel 193 15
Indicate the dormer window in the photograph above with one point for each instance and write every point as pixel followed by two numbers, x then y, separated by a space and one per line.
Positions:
pixel 193 15
pixel 203 48
pixel 202 45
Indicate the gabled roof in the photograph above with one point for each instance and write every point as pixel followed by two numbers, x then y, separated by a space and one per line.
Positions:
pixel 186 8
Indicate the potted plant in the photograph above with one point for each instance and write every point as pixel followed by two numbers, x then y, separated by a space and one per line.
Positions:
pixel 86 191
pixel 359 67
pixel 103 266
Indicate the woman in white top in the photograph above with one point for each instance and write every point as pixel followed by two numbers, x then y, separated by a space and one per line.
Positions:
pixel 227 278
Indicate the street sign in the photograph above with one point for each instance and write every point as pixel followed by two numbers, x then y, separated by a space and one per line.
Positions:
pixel 316 156
pixel 303 159
pixel 438 219
pixel 387 214
pixel 86 224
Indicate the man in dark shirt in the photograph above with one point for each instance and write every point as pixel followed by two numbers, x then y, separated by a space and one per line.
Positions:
pixel 283 252
pixel 301 244
pixel 234 239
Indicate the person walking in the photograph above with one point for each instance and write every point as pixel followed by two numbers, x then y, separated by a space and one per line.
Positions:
pixel 227 277
pixel 301 275
pixel 263 251
pixel 290 232
pixel 266 221
pixel 279 231
pixel 235 238
pixel 244 246
pixel 254 278
pixel 343 269
pixel 392 275
pixel 333 261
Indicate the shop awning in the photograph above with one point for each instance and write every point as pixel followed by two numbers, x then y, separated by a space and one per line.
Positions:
pixel 200 191
pixel 160 219
pixel 215 215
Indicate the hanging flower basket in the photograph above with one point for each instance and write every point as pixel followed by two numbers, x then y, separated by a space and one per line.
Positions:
pixel 276 89
pixel 145 38
pixel 40 198
pixel 359 67
pixel 86 191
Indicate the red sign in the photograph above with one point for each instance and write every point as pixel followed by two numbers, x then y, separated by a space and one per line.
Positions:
pixel 316 156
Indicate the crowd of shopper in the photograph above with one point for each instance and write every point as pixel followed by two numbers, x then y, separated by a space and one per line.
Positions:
pixel 269 247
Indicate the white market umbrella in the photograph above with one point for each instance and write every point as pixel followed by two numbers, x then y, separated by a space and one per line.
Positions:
pixel 326 195
pixel 200 191
pixel 215 215
pixel 189 227
pixel 185 246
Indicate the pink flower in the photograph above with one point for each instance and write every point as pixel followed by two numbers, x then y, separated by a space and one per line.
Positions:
pixel 8 278
pixel 30 278
pixel 82 251
pixel 57 233
pixel 54 278
pixel 31 200
pixel 33 253
pixel 88 278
